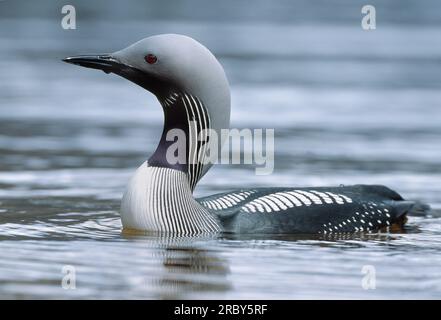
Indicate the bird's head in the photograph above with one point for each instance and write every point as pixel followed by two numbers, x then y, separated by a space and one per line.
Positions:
pixel 165 63
pixel 186 78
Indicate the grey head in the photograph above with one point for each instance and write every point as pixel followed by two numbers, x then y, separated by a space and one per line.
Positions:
pixel 168 65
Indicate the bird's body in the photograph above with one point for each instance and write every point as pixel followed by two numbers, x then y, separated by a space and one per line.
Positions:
pixel 321 210
pixel 194 92
pixel 160 199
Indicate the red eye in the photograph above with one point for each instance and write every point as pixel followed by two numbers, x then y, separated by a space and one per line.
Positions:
pixel 150 58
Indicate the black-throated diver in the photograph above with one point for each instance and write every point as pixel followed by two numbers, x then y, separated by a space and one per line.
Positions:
pixel 191 85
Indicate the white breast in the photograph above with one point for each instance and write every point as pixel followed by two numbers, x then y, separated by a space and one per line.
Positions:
pixel 160 199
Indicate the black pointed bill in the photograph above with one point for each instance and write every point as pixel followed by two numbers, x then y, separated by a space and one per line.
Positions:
pixel 108 64
pixel 103 62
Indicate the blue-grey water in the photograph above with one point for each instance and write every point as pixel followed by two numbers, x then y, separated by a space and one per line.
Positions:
pixel 348 106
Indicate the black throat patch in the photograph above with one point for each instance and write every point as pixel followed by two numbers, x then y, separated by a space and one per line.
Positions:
pixel 184 112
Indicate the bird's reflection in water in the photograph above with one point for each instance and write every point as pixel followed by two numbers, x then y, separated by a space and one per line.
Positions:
pixel 188 266
pixel 195 267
